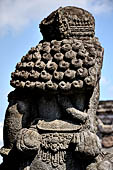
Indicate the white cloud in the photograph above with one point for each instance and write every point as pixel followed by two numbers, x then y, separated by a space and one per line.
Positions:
pixel 16 14
pixel 106 87
pixel 104 81
pixel 102 6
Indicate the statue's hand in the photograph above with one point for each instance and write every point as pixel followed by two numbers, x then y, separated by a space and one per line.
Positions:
pixel 66 104
pixel 28 140
pixel 87 143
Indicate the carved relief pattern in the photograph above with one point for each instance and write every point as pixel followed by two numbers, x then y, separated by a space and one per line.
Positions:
pixel 53 148
pixel 56 141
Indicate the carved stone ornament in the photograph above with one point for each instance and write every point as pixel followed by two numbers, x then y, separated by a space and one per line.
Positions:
pixel 50 123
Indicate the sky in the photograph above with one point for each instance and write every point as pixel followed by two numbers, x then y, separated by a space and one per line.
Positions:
pixel 19 31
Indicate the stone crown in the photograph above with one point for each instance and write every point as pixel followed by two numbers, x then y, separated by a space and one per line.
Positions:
pixel 68 22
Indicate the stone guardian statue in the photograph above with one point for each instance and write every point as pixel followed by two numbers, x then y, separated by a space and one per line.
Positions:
pixel 50 122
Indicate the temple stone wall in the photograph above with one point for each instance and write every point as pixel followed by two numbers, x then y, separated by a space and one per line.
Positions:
pixel 105 124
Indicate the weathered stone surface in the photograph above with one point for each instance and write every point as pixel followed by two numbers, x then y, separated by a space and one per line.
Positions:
pixel 66 66
pixel 107 141
pixel 68 22
pixel 50 122
pixel 105 124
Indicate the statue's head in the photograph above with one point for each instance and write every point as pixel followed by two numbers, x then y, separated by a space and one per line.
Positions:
pixel 68 22
pixel 67 61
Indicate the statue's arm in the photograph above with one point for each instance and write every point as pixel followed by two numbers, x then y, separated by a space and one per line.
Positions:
pixel 17 125
pixel 13 120
pixel 67 106
pixel 12 125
